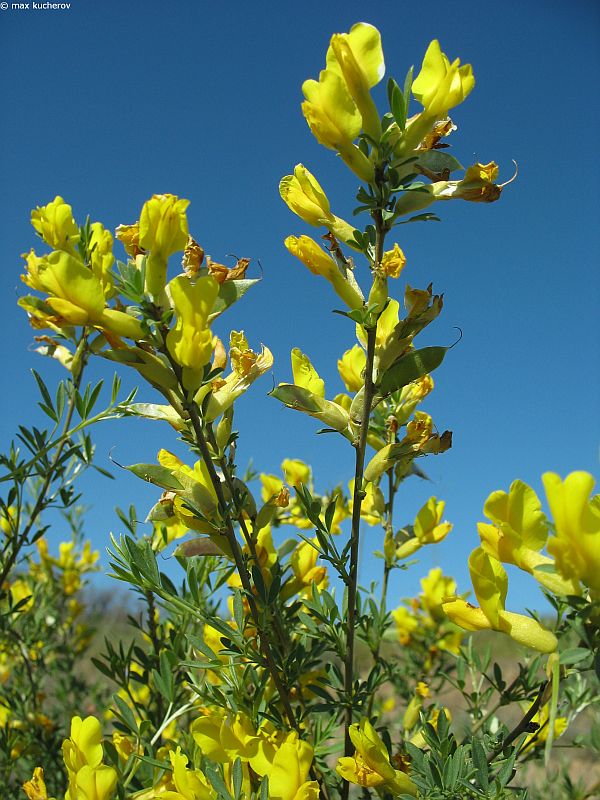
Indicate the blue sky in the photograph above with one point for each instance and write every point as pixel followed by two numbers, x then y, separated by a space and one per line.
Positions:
pixel 109 102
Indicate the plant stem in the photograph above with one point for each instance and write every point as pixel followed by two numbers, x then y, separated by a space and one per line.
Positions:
pixel 359 494
pixel 522 726
pixel 40 503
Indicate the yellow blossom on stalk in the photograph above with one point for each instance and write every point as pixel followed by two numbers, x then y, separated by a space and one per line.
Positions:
pixel 84 746
pixel 305 375
pixel 428 528
pixel 190 340
pixel 224 739
pixel 519 532
pixel 246 367
pixel 306 571
pixel 406 623
pixel 296 472
pixel 441 85
pixel 303 195
pixel 357 57
pixel 321 263
pixel 411 396
pixel 370 765
pixel 373 504
pixel 21 592
pixel 411 715
pixel 576 545
pixel 129 236
pixel 335 121
pixel 289 772
pixel 542 719
pixel 436 588
pixel 190 784
pixel 92 783
pixel 393 262
pixel 75 294
pixel 351 367
pixel 35 789
pixel 163 230
pixel 491 585
pixel 418 740
pixel 55 224
pixel 477 186
pixel 101 256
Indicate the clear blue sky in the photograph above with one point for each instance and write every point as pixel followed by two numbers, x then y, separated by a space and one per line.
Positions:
pixel 109 102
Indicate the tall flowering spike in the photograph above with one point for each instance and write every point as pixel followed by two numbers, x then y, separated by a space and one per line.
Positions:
pixel 55 224
pixel 490 583
pixel 358 57
pixel 319 262
pixel 441 85
pixel 305 375
pixel 163 230
pixel 370 766
pixel 303 195
pixel 576 546
pixel 190 340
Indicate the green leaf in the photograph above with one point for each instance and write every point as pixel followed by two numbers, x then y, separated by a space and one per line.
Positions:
pixel 410 368
pixel 439 161
pixel 574 655
pixel 156 474
pixel 385 459
pixel 300 399
pixel 480 763
pixel 229 293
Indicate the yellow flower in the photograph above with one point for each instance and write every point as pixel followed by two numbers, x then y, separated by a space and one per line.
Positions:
pixel 101 256
pixel 321 263
pixel 163 230
pixel 303 195
pixel 441 85
pixel 436 588
pixel 351 367
pixel 296 472
pixel 358 58
pixel 576 546
pixel 427 529
pixel 224 739
pixel 370 766
pixel 84 747
pixel 35 789
pixel 519 532
pixel 373 504
pixel 542 719
pixel 305 375
pixel 190 340
pixel 491 585
pixel 335 121
pixel 306 572
pixel 393 262
pixel 246 365
pixel 289 772
pixel 55 224
pixel 93 783
pixel 189 783
pixel 19 591
pixel 129 236
pixel 406 623
pixel 477 186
